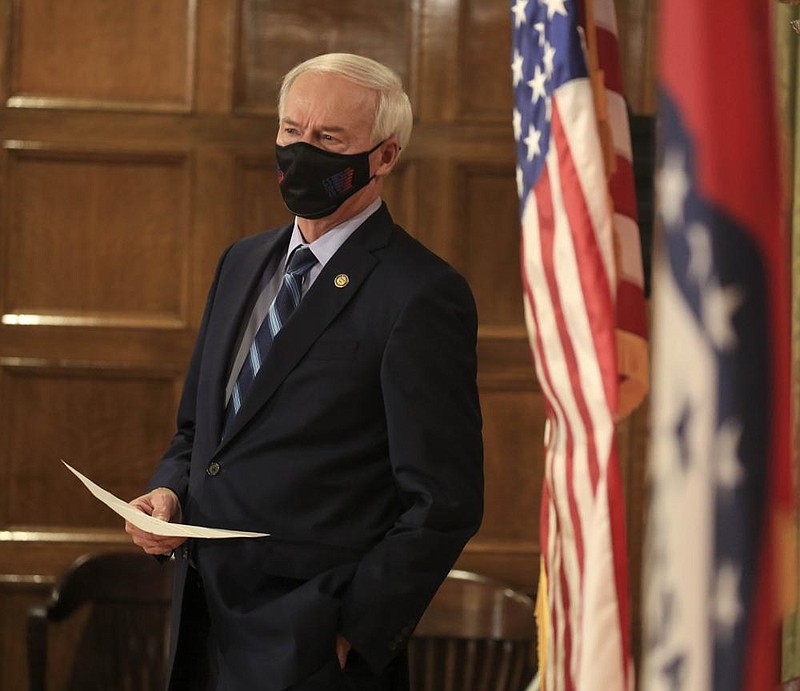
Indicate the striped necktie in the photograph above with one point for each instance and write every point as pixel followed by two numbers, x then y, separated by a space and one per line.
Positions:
pixel 285 302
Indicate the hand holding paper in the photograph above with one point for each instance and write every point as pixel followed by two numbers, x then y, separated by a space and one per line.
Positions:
pixel 149 523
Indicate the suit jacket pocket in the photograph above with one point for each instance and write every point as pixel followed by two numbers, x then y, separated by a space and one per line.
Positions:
pixel 333 349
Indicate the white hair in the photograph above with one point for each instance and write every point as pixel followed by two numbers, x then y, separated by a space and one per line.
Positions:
pixel 393 111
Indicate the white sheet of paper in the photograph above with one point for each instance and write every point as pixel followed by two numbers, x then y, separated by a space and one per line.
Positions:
pixel 154 525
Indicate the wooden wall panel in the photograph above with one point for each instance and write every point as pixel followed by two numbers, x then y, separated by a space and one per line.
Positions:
pixel 95 237
pixel 96 419
pixel 484 86
pixel 275 35
pixel 17 595
pixel 507 545
pixel 102 54
pixel 258 200
pixel 637 38
pixel 401 193
pixel 488 224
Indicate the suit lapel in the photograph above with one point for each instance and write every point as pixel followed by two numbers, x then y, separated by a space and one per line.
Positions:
pixel 319 307
pixel 240 285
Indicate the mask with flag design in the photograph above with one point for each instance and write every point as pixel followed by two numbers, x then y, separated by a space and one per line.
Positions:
pixel 314 182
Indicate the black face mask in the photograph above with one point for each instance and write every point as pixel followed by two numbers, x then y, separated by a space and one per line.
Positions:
pixel 314 182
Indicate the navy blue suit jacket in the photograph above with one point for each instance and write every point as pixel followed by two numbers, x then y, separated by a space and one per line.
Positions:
pixel 358 449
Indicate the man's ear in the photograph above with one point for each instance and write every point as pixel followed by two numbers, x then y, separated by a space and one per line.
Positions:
pixel 388 154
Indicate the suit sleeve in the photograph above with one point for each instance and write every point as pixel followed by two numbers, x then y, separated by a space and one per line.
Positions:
pixel 428 379
pixel 173 470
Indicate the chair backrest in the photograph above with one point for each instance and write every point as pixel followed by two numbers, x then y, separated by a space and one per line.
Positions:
pixel 477 635
pixel 115 612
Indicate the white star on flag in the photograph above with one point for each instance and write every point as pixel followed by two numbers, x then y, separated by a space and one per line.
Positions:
pixel 519 12
pixel 516 67
pixel 516 121
pixel 729 471
pixel 539 29
pixel 672 186
pixel 532 141
pixel 725 601
pixel 537 84
pixel 719 305
pixel 553 7
pixel 700 255
pixel 548 57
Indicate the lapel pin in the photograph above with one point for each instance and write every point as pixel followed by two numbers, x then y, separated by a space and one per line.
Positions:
pixel 341 280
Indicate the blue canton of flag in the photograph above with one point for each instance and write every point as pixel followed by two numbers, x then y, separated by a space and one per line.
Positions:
pixel 547 53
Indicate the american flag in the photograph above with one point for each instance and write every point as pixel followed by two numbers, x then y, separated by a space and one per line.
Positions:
pixel 632 348
pixel 720 406
pixel 570 279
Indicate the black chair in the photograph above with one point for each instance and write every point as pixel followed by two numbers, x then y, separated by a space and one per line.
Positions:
pixel 115 613
pixel 477 635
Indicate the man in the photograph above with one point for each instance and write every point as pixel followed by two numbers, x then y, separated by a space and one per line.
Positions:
pixel 350 433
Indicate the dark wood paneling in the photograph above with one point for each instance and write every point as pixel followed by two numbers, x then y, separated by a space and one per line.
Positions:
pixel 17 595
pixel 44 554
pixel 488 228
pixel 259 204
pixel 401 194
pixel 484 78
pixel 107 421
pixel 513 427
pixel 275 35
pixel 95 237
pixel 102 54
pixel 636 21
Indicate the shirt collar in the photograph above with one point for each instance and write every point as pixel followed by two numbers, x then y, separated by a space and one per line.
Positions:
pixel 325 246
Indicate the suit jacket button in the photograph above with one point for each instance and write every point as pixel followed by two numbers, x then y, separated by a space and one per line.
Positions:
pixel 213 469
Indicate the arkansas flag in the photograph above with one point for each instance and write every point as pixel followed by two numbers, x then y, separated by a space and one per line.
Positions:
pixel 720 454
pixel 574 271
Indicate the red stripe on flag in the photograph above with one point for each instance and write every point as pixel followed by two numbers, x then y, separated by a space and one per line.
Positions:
pixel 608 58
pixel 600 307
pixel 539 357
pixel 622 188
pixel 596 292
pixel 569 681
pixel 630 315
pixel 546 218
pixel 544 204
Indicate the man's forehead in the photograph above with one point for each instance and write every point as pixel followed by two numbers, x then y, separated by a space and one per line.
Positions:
pixel 325 87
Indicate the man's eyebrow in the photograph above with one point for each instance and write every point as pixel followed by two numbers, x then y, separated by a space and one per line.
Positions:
pixel 323 128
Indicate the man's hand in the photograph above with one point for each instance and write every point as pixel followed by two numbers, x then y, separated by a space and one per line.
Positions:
pixel 160 503
pixel 342 649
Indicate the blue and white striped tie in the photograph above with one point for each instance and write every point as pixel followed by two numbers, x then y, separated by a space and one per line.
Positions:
pixel 280 310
